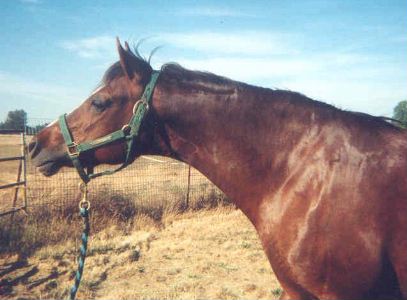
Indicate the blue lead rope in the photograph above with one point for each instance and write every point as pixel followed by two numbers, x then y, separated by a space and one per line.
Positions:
pixel 84 212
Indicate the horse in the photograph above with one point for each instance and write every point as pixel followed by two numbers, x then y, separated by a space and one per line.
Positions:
pixel 325 188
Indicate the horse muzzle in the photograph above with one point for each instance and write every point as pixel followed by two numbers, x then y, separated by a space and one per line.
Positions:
pixel 47 161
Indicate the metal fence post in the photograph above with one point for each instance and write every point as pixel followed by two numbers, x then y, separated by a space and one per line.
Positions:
pixel 24 154
pixel 188 186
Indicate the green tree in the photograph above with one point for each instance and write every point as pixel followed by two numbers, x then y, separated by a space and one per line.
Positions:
pixel 15 120
pixel 400 113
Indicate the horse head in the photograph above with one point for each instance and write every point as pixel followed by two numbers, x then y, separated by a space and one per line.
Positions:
pixel 106 110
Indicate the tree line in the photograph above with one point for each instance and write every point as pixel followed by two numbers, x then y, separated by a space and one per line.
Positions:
pixel 16 120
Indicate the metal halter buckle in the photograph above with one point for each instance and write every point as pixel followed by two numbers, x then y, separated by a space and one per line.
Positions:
pixel 72 149
pixel 136 105
pixel 84 203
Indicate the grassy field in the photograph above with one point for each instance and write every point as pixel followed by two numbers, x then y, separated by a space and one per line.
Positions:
pixel 209 254
pixel 146 242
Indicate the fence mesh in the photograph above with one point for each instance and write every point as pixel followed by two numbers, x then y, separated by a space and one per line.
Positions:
pixel 148 181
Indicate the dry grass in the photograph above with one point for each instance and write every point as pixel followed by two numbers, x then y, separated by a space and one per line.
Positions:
pixel 46 225
pixel 210 254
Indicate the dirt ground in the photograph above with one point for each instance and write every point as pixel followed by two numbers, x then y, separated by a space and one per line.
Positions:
pixel 213 254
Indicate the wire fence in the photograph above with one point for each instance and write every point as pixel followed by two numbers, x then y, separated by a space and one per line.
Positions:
pixel 149 181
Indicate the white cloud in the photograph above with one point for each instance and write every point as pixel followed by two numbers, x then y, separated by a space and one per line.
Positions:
pixel 17 86
pixel 242 42
pixel 356 95
pixel 252 69
pixel 250 43
pixel 206 11
pixel 31 1
pixel 399 39
pixel 349 81
pixel 38 99
pixel 344 77
pixel 93 47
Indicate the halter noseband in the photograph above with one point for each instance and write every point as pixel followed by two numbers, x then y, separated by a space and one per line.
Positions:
pixel 128 133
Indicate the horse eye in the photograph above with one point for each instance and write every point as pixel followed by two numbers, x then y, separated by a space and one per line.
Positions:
pixel 101 105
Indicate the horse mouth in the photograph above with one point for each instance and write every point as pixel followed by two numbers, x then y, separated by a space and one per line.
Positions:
pixel 49 168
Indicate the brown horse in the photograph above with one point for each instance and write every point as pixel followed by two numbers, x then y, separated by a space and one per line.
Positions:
pixel 326 189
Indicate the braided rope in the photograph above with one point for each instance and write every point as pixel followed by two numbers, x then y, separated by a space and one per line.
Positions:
pixel 84 212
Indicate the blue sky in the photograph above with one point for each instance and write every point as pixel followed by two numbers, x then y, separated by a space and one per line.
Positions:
pixel 352 54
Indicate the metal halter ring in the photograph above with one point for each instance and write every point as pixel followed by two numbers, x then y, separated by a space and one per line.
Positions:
pixel 126 128
pixel 136 105
pixel 84 204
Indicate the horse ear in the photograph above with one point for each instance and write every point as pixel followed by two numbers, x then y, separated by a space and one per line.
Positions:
pixel 124 59
pixel 134 67
pixel 126 46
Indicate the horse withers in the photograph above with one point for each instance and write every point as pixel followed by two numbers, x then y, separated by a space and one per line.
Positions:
pixel 326 189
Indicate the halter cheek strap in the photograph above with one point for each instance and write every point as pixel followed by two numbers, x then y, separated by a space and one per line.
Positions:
pixel 128 134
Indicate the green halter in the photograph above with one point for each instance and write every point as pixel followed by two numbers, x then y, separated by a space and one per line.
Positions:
pixel 128 134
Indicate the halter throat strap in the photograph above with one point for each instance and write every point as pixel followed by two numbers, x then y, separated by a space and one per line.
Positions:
pixel 127 134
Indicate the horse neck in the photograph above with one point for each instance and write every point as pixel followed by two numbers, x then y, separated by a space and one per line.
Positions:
pixel 238 136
